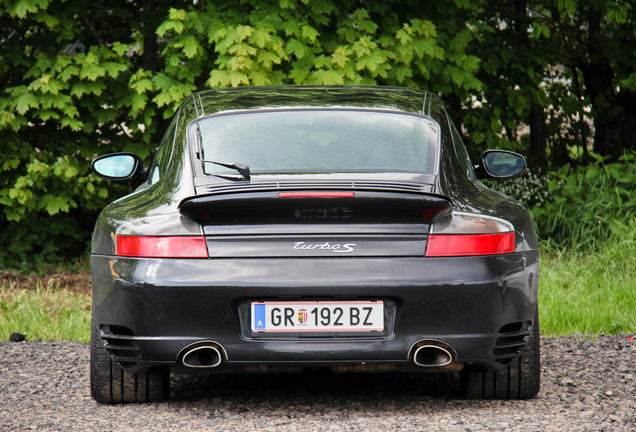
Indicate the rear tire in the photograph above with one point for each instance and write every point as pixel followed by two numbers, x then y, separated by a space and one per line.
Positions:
pixel 110 384
pixel 520 380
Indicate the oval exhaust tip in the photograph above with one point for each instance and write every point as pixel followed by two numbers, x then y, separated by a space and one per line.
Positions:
pixel 202 357
pixel 432 356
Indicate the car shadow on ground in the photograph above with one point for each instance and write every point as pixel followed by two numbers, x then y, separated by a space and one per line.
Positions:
pixel 314 387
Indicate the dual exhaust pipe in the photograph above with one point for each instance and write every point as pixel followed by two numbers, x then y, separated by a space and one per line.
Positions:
pixel 209 354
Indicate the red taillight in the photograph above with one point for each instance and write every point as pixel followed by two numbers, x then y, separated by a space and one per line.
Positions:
pixel 162 246
pixel 316 194
pixel 467 234
pixel 470 244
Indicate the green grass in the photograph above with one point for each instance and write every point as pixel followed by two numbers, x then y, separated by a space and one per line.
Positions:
pixel 47 313
pixel 592 293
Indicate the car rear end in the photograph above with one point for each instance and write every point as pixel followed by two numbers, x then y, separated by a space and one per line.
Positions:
pixel 282 239
pixel 351 278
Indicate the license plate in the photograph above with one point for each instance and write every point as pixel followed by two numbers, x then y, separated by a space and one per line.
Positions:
pixel 318 316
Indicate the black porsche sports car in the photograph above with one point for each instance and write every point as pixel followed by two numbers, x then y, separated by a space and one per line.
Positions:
pixel 283 228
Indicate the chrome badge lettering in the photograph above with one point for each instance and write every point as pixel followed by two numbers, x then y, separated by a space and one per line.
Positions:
pixel 335 248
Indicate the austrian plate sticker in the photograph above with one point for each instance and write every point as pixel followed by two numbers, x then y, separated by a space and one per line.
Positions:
pixel 317 316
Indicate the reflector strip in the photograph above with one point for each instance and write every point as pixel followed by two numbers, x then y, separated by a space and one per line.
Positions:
pixel 162 246
pixel 316 194
pixel 470 244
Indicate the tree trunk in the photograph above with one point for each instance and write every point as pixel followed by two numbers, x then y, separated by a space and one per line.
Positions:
pixel 537 118
pixel 150 59
pixel 538 136
pixel 598 75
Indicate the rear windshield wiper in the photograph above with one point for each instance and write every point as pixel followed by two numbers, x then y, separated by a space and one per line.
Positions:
pixel 243 170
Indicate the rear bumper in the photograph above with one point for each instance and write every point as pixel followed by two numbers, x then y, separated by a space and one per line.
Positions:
pixel 150 309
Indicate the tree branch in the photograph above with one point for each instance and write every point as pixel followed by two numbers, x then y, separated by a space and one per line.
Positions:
pixel 89 25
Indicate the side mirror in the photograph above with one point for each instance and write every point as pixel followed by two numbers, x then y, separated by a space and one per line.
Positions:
pixel 118 166
pixel 500 164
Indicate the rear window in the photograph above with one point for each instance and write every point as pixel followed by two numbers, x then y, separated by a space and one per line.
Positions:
pixel 319 141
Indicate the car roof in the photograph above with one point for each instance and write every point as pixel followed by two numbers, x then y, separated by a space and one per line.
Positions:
pixel 369 97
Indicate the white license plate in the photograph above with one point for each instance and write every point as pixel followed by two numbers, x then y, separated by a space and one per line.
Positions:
pixel 318 316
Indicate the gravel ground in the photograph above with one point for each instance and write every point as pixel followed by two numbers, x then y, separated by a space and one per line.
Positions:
pixel 587 385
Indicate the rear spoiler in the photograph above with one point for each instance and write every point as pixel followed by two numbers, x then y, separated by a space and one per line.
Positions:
pixel 278 206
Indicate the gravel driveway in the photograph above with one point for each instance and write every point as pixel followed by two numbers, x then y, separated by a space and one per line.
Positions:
pixel 588 385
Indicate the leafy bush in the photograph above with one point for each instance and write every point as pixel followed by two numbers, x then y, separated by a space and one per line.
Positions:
pixel 578 207
pixel 589 204
pixel 49 204
pixel 529 187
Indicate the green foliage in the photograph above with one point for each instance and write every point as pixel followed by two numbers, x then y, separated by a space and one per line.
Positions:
pixel 263 43
pixel 589 204
pixel 529 187
pixel 559 68
pixel 578 208
pixel 66 97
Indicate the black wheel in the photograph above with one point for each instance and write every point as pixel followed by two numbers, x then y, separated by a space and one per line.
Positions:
pixel 110 384
pixel 520 380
